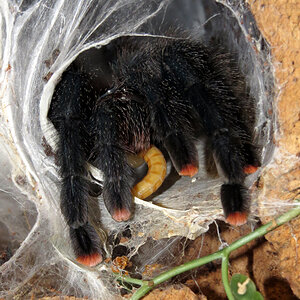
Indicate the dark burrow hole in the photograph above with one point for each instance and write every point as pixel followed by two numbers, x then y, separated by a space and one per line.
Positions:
pixel 208 21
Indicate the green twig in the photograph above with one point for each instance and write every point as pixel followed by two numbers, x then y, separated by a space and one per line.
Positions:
pixel 225 261
pixel 131 280
pixel 146 286
pixel 144 289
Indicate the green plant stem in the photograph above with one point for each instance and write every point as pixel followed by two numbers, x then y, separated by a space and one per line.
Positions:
pixel 225 261
pixel 131 280
pixel 144 289
pixel 146 286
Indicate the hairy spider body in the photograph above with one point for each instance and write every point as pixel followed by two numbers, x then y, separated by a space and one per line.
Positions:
pixel 167 93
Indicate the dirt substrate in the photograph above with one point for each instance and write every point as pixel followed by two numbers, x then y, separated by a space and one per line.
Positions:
pixel 258 259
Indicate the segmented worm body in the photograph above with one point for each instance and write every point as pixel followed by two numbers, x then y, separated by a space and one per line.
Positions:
pixel 155 176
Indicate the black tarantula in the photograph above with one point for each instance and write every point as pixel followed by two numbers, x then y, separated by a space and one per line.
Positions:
pixel 164 92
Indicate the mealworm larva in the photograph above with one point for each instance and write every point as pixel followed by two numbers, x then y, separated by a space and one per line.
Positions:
pixel 155 176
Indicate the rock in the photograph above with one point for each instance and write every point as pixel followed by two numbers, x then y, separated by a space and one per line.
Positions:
pixel 173 292
pixel 281 179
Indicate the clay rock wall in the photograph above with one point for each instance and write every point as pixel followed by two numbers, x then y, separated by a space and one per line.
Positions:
pixel 279 22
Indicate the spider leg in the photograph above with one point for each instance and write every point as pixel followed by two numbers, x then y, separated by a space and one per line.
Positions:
pixel 228 137
pixel 67 113
pixel 172 131
pixel 185 161
pixel 111 121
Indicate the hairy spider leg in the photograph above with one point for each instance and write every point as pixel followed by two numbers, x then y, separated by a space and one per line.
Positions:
pixel 116 122
pixel 170 124
pixel 183 153
pixel 224 133
pixel 68 113
pixel 177 110
pixel 178 142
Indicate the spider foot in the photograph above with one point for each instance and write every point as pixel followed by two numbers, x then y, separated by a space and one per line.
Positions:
pixel 237 218
pixel 91 260
pixel 250 169
pixel 86 245
pixel 121 214
pixel 189 170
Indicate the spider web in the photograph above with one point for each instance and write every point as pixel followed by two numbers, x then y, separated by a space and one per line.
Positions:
pixel 39 39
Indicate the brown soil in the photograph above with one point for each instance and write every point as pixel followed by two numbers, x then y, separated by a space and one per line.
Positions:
pixel 258 259
pixel 174 292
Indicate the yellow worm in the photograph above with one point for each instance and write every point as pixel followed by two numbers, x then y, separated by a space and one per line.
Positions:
pixel 155 176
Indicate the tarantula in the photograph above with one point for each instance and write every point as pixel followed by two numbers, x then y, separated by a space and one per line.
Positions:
pixel 164 92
